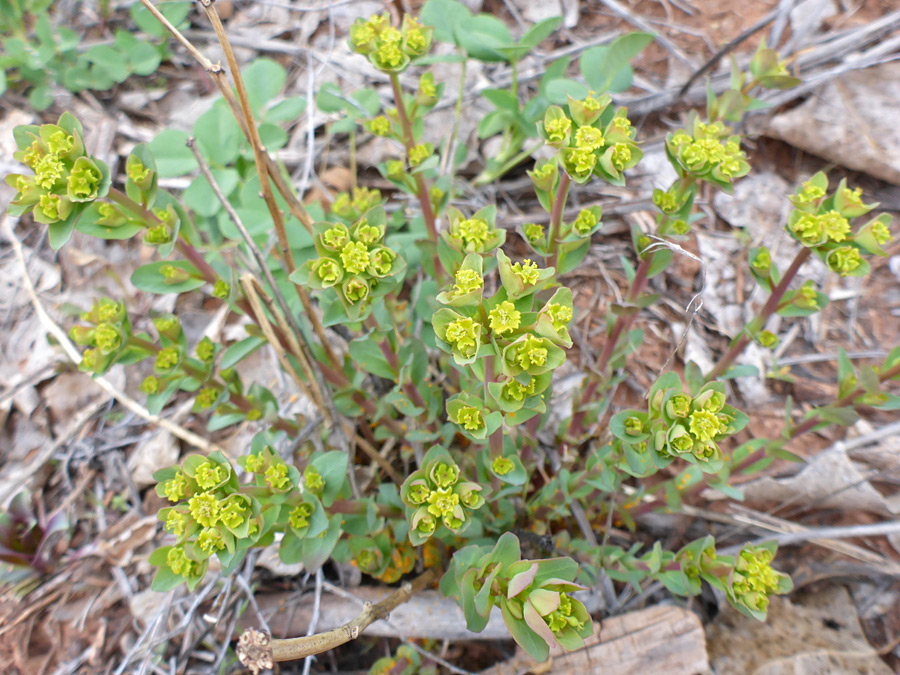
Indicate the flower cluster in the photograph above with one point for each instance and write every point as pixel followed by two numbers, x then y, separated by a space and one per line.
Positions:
pixel 534 596
pixel 476 234
pixel 212 513
pixel 65 178
pixel 437 495
pixel 351 206
pixel 677 425
pixel 821 222
pixel 584 147
pixel 353 259
pixel 706 151
pixel 384 557
pixel 521 328
pixel 388 48
pixel 752 580
pixel 105 336
pixel 207 517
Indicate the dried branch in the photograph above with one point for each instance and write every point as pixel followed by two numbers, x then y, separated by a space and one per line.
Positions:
pixel 258 651
pixel 295 336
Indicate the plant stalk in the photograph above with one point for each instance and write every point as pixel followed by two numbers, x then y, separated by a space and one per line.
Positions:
pixel 737 346
pixel 556 216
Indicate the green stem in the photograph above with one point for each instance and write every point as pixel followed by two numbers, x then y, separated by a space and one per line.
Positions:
pixel 496 439
pixel 556 215
pixel 409 141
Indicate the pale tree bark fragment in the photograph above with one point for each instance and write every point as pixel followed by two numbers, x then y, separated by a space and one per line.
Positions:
pixel 659 639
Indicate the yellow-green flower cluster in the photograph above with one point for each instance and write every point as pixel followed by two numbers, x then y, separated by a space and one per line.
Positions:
pixel 209 512
pixel 65 178
pixel 586 148
pixel 464 336
pixel 436 494
pixel 754 581
pixel 467 281
pixel 696 433
pixel 678 425
pixel 351 206
pixel 107 332
pixel 821 221
pixel 472 232
pixel 708 153
pixel 388 48
pixel 504 317
pixel 352 260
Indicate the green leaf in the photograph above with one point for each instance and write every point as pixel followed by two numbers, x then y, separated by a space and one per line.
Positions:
pixel 287 110
pixel 88 225
pixel 199 196
pixel 539 32
pixel 144 58
pixel 557 91
pixel 316 550
pixel 368 355
pixel 59 233
pixel 111 60
pixel 218 136
pixel 333 468
pixel 239 350
pixel 173 157
pixel 272 136
pixel 526 638
pixel 175 12
pixel 484 36
pixel 264 79
pixel 330 99
pixel 40 98
pixel 601 65
pixel 151 279
pixel 446 16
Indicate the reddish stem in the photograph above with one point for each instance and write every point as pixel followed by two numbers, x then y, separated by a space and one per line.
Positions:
pixel 771 306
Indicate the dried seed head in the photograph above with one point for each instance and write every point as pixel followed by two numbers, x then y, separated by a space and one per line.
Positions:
pixel 254 652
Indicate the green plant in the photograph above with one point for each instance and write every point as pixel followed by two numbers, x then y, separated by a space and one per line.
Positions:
pixel 38 55
pixel 483 37
pixel 452 345
pixel 27 536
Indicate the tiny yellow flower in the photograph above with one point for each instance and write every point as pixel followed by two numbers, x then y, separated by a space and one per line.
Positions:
pixel 204 508
pixel 502 466
pixel 277 476
pixel 588 138
pixel 704 425
pixel 835 225
pixel 467 281
pixel 178 561
pixel 844 260
pixel 504 317
pixel 470 418
pixel 557 129
pixel 176 522
pixel 527 272
pixel 210 540
pixel 355 256
pixel 175 487
pixel 472 231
